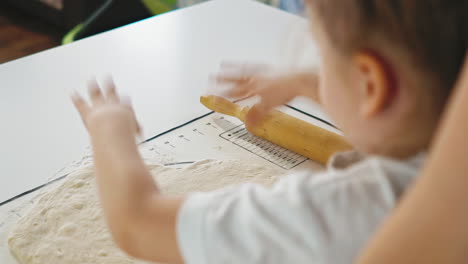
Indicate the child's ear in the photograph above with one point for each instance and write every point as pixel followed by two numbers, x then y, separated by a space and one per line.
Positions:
pixel 375 83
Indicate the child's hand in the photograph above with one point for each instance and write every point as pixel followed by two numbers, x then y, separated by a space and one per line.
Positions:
pixel 273 91
pixel 106 111
pixel 144 222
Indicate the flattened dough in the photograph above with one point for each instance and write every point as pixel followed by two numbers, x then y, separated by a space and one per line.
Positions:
pixel 66 225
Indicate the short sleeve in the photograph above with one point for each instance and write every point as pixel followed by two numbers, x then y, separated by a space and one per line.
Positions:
pixel 302 219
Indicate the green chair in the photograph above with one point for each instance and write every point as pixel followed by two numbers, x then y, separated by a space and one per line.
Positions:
pixel 115 13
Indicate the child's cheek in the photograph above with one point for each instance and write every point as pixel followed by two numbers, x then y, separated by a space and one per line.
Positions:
pixel 324 85
pixel 324 94
pixel 331 97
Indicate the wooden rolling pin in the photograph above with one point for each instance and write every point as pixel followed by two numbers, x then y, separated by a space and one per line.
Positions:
pixel 286 131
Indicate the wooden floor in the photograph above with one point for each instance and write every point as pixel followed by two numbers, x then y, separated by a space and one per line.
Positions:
pixel 22 34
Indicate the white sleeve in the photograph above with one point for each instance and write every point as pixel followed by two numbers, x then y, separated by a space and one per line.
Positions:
pixel 299 220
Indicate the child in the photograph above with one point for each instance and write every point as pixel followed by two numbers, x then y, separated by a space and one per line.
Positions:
pixel 387 69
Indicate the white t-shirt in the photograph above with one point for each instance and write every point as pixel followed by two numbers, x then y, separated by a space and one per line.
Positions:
pixel 304 218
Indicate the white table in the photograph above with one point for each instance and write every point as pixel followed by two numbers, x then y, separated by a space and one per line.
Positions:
pixel 162 63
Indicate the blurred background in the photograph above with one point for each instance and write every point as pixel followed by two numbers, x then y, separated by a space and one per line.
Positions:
pixel 30 26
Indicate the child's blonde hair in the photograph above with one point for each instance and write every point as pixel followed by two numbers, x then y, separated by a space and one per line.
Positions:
pixel 433 33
